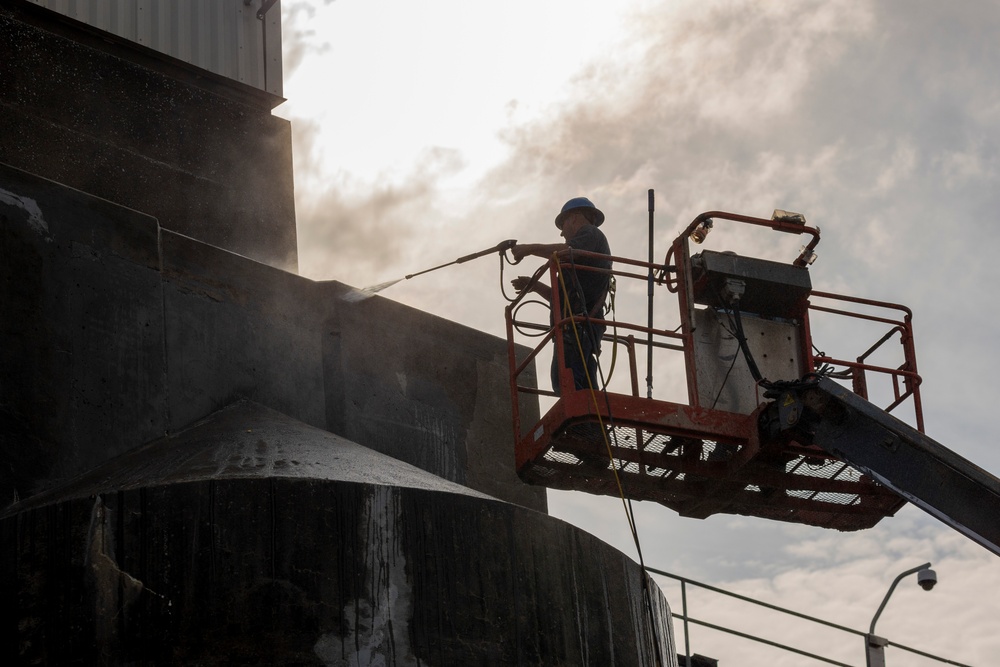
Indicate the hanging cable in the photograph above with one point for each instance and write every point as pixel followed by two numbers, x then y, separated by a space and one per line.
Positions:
pixel 506 260
pixel 772 386
pixel 534 278
pixel 612 289
pixel 718 395
pixel 741 338
pixel 626 502
pixel 591 332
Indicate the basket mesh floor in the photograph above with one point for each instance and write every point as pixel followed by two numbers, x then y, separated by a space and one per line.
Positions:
pixel 700 477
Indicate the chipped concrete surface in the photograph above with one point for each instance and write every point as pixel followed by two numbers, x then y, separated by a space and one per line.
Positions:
pixel 33 214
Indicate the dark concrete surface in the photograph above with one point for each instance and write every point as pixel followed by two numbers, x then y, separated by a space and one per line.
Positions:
pixel 121 332
pixel 199 153
pixel 252 538
pixel 237 328
pixel 405 384
pixel 82 369
pixel 244 440
pixel 311 571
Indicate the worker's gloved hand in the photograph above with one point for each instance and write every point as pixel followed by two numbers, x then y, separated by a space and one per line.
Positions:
pixel 520 283
pixel 519 252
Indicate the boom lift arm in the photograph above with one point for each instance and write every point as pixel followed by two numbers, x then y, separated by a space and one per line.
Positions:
pixel 929 475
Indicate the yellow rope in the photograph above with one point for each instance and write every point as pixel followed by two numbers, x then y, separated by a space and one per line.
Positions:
pixel 593 396
pixel 607 444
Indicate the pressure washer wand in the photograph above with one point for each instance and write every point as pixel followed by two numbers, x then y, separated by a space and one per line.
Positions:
pixel 361 294
pixel 502 247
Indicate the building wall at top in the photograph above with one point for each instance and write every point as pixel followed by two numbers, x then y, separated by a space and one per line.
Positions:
pixel 221 36
pixel 201 153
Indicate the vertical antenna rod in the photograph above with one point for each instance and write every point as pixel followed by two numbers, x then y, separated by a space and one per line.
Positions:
pixel 649 306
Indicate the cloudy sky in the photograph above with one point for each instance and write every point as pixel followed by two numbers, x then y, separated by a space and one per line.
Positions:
pixel 427 131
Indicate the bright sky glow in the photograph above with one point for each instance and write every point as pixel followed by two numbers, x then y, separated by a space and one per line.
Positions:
pixel 395 79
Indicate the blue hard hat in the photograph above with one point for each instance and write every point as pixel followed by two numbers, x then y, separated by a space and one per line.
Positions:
pixel 576 203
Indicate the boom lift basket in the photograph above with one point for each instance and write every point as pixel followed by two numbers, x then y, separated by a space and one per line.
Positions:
pixel 725 449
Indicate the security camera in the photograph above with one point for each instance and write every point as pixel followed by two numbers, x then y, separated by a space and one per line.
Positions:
pixel 927 579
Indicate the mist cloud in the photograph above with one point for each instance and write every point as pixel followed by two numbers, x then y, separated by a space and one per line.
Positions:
pixel 350 230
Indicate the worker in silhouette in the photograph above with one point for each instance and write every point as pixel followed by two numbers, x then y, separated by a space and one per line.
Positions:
pixel 578 223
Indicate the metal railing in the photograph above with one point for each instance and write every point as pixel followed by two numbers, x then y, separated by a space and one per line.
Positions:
pixel 677 278
pixel 904 378
pixel 688 619
pixel 691 453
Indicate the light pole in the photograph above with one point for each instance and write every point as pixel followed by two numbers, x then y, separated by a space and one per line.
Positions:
pixel 875 645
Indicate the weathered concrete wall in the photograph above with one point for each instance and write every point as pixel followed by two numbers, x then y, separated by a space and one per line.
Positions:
pixel 82 370
pixel 403 382
pixel 236 328
pixel 124 332
pixel 423 390
pixel 202 154
pixel 255 539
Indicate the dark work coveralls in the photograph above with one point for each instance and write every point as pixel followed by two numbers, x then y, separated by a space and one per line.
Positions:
pixel 587 290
